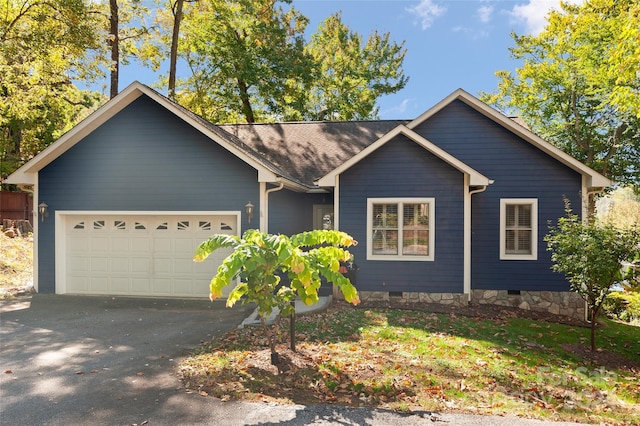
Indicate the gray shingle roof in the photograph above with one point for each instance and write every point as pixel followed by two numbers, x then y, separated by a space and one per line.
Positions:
pixel 307 151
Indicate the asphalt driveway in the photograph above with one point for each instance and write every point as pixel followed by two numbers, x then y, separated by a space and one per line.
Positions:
pixel 67 360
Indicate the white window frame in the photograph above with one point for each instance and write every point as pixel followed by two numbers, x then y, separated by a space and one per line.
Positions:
pixel 400 202
pixel 533 202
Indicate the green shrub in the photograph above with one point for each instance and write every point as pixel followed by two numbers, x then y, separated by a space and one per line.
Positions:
pixel 623 306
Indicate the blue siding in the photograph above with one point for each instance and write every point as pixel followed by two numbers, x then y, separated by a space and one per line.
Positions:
pixel 401 168
pixel 520 171
pixel 292 212
pixel 144 158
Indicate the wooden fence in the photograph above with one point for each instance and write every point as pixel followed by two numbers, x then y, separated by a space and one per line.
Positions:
pixel 16 206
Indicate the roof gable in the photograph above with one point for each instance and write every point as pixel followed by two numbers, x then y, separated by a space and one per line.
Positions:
pixel 594 179
pixel 27 173
pixel 475 178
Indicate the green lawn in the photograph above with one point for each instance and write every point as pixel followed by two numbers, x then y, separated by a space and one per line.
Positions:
pixel 405 360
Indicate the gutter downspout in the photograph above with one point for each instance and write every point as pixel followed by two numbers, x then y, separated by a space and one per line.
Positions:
pixel 467 239
pixel 265 206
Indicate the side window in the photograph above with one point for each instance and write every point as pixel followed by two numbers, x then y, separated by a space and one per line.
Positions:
pixel 518 229
pixel 400 229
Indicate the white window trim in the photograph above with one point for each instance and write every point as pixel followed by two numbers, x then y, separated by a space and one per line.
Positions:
pixel 533 202
pixel 400 256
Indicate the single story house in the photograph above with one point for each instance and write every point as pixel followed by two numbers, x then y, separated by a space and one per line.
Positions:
pixel 450 207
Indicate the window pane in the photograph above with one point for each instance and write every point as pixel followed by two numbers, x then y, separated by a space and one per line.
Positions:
pixel 415 230
pixel 385 242
pixel 416 215
pixel 385 215
pixel 510 241
pixel 510 215
pixel 415 242
pixel 524 242
pixel 524 216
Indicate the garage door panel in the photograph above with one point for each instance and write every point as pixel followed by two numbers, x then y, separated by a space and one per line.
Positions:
pixel 120 265
pixel 97 284
pixel 99 265
pixel 140 266
pixel 140 286
pixel 99 244
pixel 162 245
pixel 140 243
pixel 80 284
pixel 120 285
pixel 121 244
pixel 141 255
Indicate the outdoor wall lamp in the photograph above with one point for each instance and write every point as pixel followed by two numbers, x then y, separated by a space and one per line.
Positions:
pixel 44 211
pixel 249 210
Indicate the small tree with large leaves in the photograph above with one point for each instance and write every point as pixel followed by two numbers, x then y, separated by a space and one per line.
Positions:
pixel 591 255
pixel 260 259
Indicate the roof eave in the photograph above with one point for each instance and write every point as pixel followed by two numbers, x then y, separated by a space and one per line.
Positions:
pixel 26 173
pixel 596 179
pixel 476 178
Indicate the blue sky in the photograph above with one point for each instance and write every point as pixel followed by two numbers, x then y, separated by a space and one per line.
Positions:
pixel 450 43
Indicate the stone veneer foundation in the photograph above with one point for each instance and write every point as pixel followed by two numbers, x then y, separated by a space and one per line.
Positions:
pixel 556 302
pixel 565 303
pixel 452 299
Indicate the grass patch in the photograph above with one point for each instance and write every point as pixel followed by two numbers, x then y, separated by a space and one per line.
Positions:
pixel 16 264
pixel 406 360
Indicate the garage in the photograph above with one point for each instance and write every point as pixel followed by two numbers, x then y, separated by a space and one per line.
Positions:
pixel 138 253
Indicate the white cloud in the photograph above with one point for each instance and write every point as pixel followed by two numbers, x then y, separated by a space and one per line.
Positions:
pixel 398 109
pixel 427 11
pixel 484 13
pixel 534 13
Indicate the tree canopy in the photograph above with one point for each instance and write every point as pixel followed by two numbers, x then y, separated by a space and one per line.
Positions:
pixel 579 85
pixel 242 61
pixel 42 50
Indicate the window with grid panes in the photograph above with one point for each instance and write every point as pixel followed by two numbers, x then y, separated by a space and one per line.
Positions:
pixel 400 229
pixel 518 229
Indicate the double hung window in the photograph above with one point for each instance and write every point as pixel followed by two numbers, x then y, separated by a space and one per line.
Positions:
pixel 400 228
pixel 518 229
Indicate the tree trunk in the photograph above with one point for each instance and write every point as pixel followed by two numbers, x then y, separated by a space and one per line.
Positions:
pixel 114 43
pixel 246 104
pixel 177 19
pixel 272 345
pixel 593 329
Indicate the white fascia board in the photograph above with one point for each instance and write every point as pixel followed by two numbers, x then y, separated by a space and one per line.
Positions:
pixel 476 178
pixel 595 179
pixel 25 174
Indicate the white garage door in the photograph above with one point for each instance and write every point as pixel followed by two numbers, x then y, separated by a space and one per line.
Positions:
pixel 140 255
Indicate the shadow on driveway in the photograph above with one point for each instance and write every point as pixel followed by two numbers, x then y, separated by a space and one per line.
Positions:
pixel 100 360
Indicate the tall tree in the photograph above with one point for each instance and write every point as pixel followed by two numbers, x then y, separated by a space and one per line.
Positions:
pixel 125 32
pixel 244 56
pixel 352 75
pixel 43 50
pixel 563 90
pixel 250 62
pixel 114 48
pixel 177 8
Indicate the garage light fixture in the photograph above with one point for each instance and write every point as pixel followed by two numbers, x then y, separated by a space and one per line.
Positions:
pixel 249 210
pixel 44 211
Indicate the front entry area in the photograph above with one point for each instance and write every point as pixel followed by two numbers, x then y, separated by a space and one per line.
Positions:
pixel 138 254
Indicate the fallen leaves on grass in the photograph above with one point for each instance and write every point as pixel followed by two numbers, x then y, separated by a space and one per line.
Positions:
pixel 404 361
